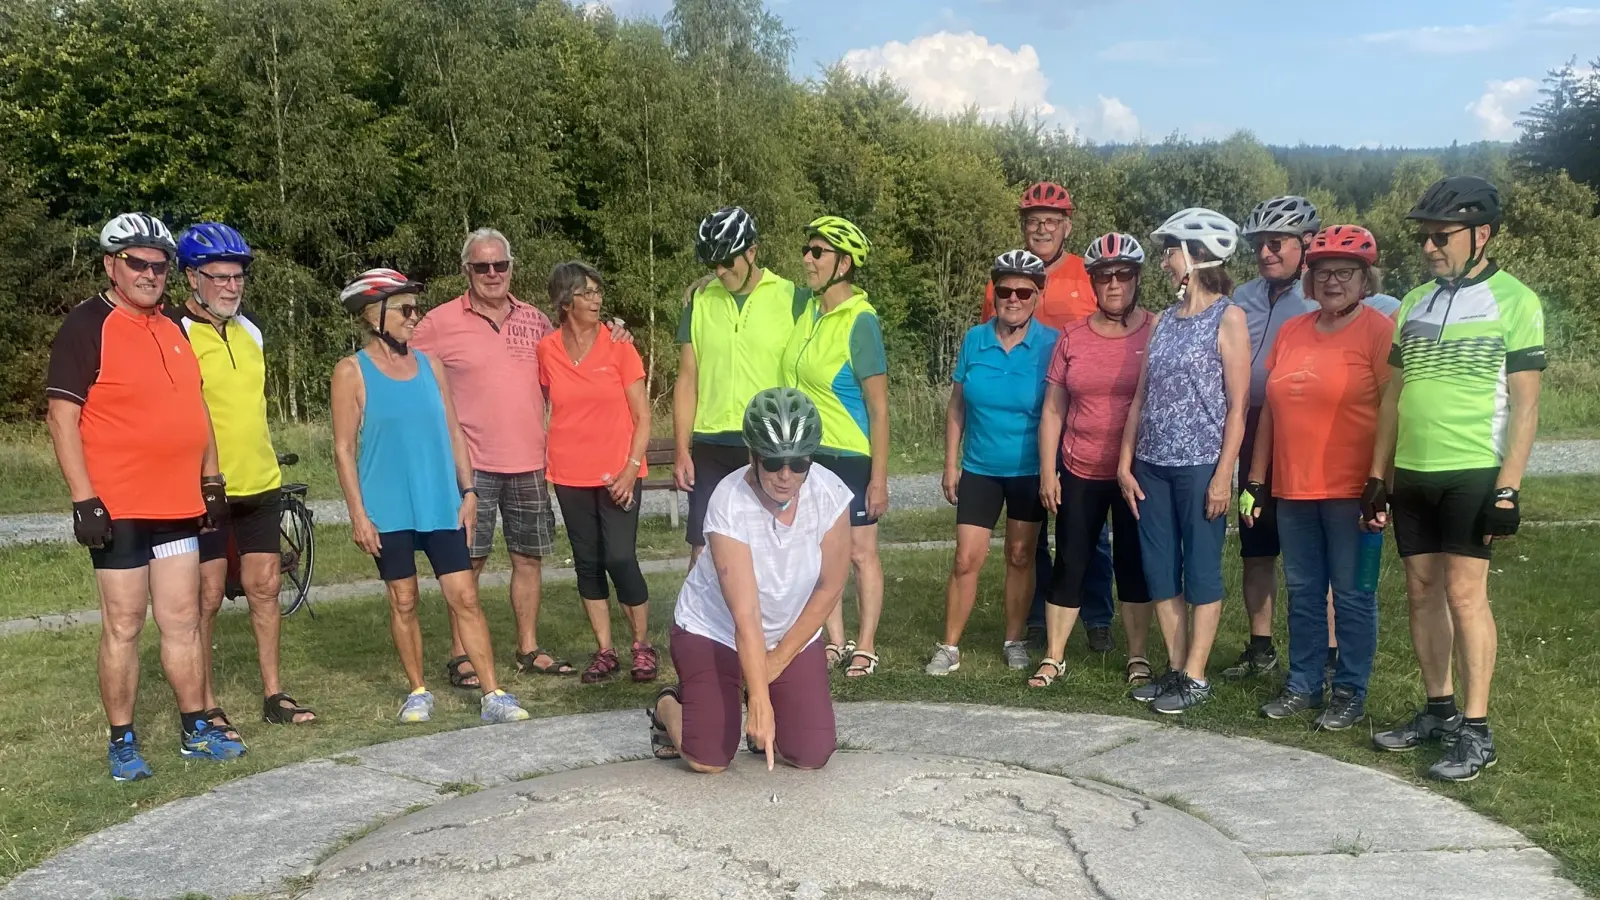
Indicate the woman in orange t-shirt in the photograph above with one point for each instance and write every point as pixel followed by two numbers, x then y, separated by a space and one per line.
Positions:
pixel 595 443
pixel 1325 379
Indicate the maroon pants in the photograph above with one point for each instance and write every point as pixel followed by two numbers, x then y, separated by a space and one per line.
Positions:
pixel 709 680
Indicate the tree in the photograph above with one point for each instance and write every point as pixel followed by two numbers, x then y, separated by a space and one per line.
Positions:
pixel 1563 130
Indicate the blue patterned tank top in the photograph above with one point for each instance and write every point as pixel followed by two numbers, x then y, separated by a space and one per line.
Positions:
pixel 1185 404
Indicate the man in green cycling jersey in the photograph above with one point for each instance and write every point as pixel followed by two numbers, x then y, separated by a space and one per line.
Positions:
pixel 233 373
pixel 1458 421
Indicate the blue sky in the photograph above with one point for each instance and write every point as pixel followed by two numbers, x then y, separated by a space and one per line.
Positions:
pixel 1407 73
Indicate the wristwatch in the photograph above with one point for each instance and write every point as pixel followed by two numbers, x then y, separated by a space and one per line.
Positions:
pixel 214 479
pixel 469 490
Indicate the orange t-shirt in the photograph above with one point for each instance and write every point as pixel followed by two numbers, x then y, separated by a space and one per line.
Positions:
pixel 1068 295
pixel 591 427
pixel 1324 391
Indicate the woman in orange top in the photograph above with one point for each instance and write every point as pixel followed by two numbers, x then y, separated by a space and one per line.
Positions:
pixel 599 428
pixel 1325 380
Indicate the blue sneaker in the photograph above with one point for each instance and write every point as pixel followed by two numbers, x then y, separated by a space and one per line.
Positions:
pixel 417 708
pixel 127 763
pixel 212 743
pixel 500 707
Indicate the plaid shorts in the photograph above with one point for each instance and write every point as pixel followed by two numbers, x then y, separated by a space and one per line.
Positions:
pixel 523 500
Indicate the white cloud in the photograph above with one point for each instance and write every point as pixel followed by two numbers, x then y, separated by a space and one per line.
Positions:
pixel 1440 39
pixel 1116 121
pixel 1154 52
pixel 947 72
pixel 1502 102
pixel 1572 17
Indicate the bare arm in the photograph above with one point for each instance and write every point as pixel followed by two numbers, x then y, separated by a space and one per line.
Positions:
pixel 1388 427
pixel 1051 417
pixel 736 571
pixel 458 440
pixel 1523 388
pixel 62 418
pixel 955 419
pixel 824 597
pixel 1130 429
pixel 621 487
pixel 685 401
pixel 348 399
pixel 1261 460
pixel 876 390
pixel 208 462
pixel 1233 342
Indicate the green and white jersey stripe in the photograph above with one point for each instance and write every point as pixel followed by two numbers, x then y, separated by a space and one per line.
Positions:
pixel 1453 348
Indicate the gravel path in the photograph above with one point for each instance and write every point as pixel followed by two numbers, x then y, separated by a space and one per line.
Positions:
pixel 905 492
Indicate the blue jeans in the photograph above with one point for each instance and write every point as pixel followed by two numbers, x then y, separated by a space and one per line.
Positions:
pixel 1321 546
pixel 1096 609
pixel 1180 547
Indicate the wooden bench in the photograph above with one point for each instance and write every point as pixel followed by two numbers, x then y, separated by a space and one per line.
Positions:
pixel 659 456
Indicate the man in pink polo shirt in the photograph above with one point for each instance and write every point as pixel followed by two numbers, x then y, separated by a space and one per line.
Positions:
pixel 486 340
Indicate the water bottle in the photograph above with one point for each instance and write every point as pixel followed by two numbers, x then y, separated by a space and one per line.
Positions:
pixel 1369 561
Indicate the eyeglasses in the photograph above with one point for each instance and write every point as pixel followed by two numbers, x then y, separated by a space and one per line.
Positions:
pixel 407 310
pixel 222 279
pixel 816 251
pixel 1043 223
pixel 590 292
pixel 1343 274
pixel 144 265
pixel 1122 276
pixel 500 267
pixel 796 464
pixel 1437 238
pixel 1006 293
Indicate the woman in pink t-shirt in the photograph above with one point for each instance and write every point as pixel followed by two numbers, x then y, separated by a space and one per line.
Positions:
pixel 1092 380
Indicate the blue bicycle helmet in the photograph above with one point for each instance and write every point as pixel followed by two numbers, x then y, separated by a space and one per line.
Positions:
pixel 210 242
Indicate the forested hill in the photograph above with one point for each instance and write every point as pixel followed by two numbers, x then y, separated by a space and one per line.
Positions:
pixel 340 134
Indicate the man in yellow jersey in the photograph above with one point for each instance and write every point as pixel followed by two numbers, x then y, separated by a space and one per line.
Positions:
pixel 733 331
pixel 233 373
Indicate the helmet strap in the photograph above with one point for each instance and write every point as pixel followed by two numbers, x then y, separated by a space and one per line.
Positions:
pixel 755 478
pixel 1126 315
pixel 213 310
pixel 1475 258
pixel 835 278
pixel 382 331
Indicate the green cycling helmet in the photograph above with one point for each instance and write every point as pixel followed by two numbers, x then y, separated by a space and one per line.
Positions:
pixel 843 235
pixel 782 423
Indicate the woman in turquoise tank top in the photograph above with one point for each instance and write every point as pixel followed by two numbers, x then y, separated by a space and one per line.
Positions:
pixel 407 481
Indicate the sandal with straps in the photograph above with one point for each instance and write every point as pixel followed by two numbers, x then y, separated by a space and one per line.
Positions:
pixel 557 666
pixel 661 746
pixel 1040 680
pixel 1138 670
pixel 602 665
pixel 646 663
pixel 857 670
pixel 839 654
pixel 281 709
pixel 466 681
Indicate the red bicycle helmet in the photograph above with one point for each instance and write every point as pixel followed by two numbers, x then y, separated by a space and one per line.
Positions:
pixel 1046 195
pixel 1344 242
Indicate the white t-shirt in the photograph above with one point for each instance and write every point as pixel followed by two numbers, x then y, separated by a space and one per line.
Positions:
pixel 788 558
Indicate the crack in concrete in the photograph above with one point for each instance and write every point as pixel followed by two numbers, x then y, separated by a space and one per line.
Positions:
pixel 1295 854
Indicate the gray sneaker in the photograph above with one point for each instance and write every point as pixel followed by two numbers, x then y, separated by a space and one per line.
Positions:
pixel 1185 696
pixel 1344 710
pixel 1289 704
pixel 500 707
pixel 1101 641
pixel 946 659
pixel 1467 756
pixel 1422 728
pixel 1251 663
pixel 1016 653
pixel 1150 690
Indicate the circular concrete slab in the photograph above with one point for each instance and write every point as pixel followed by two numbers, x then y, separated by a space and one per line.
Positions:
pixel 871 825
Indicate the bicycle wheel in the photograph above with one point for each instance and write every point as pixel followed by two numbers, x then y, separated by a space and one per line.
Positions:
pixel 299 556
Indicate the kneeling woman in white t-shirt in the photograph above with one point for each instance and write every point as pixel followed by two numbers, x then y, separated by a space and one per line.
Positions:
pixel 778 536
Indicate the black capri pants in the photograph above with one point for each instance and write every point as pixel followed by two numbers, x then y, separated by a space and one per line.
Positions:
pixel 605 541
pixel 1079 521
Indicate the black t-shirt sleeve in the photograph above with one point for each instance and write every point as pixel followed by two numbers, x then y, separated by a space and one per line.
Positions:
pixel 75 353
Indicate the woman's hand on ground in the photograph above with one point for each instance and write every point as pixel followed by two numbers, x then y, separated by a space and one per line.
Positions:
pixel 1050 490
pixel 365 534
pixel 950 481
pixel 760 726
pixel 877 498
pixel 1131 492
pixel 1217 495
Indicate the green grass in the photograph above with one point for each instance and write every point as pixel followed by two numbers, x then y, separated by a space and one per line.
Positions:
pixel 1547 725
pixel 1569 404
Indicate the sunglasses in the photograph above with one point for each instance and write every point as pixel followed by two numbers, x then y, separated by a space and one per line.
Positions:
pixel 222 279
pixel 1341 275
pixel 816 252
pixel 1121 276
pixel 407 310
pixel 1437 238
pixel 796 464
pixel 500 267
pixel 1273 244
pixel 1006 293
pixel 144 265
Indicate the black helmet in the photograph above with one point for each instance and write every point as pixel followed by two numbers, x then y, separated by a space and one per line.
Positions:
pixel 781 423
pixel 723 235
pixel 1465 199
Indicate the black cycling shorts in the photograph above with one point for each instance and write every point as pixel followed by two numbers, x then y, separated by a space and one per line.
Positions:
pixel 712 463
pixel 135 542
pixel 980 497
pixel 446 552
pixel 252 526
pixel 855 472
pixel 1441 512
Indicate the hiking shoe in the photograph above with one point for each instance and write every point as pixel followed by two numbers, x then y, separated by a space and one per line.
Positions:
pixel 211 742
pixel 500 707
pixel 946 659
pixel 1100 640
pixel 602 665
pixel 1290 703
pixel 127 763
pixel 417 708
pixel 1184 696
pixel 1422 728
pixel 1036 637
pixel 1164 682
pixel 1467 756
pixel 1344 709
pixel 1252 662
pixel 1016 653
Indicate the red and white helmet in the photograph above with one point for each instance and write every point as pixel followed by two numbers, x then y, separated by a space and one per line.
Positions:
pixel 1046 195
pixel 1344 242
pixel 1113 248
pixel 373 285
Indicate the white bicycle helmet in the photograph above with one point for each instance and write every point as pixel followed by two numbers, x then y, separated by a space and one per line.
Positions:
pixel 1018 262
pixel 137 229
pixel 1211 230
pixel 1283 215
